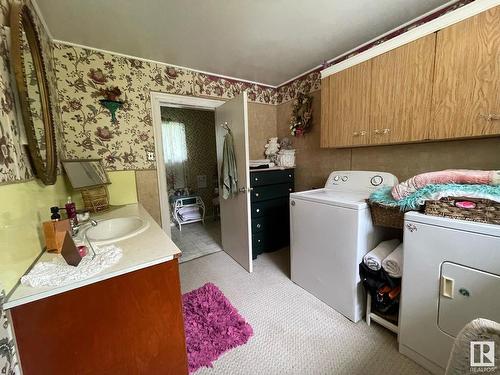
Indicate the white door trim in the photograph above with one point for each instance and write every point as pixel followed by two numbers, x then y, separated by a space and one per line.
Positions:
pixel 430 27
pixel 159 99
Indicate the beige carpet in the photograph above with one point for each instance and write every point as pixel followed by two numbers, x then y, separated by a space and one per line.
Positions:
pixel 294 333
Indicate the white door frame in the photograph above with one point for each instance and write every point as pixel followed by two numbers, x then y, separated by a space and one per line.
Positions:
pixel 159 99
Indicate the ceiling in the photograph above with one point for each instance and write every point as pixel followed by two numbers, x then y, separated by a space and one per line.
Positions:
pixel 266 41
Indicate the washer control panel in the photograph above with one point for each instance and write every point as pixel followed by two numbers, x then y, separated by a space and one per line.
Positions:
pixel 359 180
pixel 376 180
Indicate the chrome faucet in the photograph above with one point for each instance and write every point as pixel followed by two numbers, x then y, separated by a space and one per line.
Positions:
pixel 93 223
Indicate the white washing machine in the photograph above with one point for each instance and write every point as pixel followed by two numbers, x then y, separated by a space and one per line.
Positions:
pixel 451 275
pixel 330 232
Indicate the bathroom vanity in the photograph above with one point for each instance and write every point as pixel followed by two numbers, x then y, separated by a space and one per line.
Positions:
pixel 125 320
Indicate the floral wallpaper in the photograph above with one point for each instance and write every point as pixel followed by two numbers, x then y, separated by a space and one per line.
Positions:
pixel 14 165
pixel 303 85
pixel 87 128
pixel 8 362
pixel 14 160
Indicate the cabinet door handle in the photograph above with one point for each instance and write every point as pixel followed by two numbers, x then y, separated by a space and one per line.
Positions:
pixel 257 210
pixel 490 116
pixel 360 133
pixel 290 189
pixel 256 194
pixel 258 226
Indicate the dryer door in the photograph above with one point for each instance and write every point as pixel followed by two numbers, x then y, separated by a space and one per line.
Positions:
pixel 466 294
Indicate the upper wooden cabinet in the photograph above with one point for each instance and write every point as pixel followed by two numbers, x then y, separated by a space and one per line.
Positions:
pixel 444 85
pixel 345 107
pixel 467 79
pixel 402 93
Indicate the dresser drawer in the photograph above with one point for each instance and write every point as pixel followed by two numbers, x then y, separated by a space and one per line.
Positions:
pixel 271 223
pixel 271 177
pixel 262 193
pixel 259 224
pixel 274 207
pixel 269 241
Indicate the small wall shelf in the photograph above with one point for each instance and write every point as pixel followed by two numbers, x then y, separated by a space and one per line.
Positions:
pixel 112 106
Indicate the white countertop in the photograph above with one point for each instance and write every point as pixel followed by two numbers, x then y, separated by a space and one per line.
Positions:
pixel 146 249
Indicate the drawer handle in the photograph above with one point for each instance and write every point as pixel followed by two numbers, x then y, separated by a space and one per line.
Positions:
pixel 257 210
pixel 256 194
pixel 258 225
pixel 290 175
pixel 256 179
pixel 290 189
pixel 258 241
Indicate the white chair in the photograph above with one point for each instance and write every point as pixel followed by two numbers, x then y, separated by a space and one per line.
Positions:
pixel 476 330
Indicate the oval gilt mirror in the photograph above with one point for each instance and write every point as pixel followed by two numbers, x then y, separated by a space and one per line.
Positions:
pixel 33 90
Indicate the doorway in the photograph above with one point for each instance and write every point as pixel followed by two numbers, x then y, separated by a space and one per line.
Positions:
pixel 190 162
pixel 231 136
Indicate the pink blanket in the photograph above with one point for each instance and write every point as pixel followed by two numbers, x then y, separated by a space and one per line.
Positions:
pixel 449 176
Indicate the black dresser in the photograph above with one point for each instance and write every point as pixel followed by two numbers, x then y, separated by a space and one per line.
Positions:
pixel 270 209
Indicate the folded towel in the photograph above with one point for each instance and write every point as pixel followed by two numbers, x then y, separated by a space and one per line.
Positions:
pixel 185 210
pixel 194 215
pixel 449 176
pixel 374 258
pixel 435 192
pixel 190 215
pixel 393 263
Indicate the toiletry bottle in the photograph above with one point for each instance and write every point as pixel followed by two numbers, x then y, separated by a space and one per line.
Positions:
pixel 71 212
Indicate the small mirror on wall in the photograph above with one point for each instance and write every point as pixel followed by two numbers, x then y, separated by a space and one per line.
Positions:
pixel 89 177
pixel 85 173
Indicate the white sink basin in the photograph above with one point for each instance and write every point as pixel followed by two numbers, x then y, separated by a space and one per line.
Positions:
pixel 112 230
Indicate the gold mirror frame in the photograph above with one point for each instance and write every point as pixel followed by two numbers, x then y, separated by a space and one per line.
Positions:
pixel 21 20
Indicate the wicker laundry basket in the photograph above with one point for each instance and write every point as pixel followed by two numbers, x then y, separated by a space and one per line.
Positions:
pixel 471 209
pixel 386 216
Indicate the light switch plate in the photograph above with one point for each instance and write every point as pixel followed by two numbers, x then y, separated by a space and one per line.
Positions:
pixel 201 181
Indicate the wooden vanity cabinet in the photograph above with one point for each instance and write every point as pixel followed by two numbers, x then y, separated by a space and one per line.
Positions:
pixel 401 93
pixel 347 112
pixel 467 78
pixel 128 324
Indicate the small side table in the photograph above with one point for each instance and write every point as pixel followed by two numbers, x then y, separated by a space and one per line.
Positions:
pixel 187 201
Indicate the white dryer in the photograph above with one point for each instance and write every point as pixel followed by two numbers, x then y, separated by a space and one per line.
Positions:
pixel 451 275
pixel 330 232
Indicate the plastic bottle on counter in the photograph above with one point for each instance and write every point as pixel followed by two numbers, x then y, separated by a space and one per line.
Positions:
pixel 71 211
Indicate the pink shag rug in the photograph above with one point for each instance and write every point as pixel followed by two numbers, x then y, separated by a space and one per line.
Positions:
pixel 212 326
